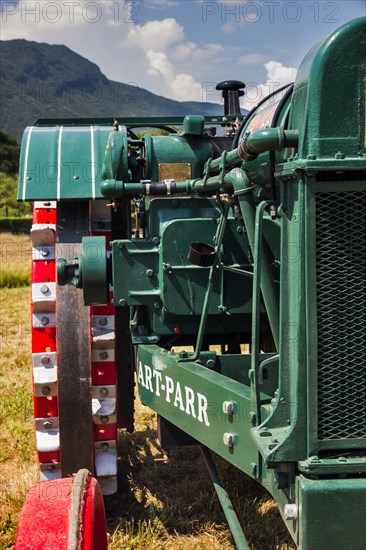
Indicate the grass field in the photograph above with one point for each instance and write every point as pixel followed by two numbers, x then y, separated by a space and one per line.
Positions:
pixel 163 504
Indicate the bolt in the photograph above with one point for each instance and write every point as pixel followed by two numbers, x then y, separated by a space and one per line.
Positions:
pixel 149 273
pixel 44 320
pixel 311 157
pixel 103 355
pixel 290 511
pixel 155 240
pixel 122 302
pixel 210 364
pixel 121 246
pixel 282 400
pixel 44 252
pixel 157 305
pixel 46 390
pixel 253 418
pixel 104 419
pixel 339 155
pixel 47 424
pixel 104 447
pixel 224 119
pixel 104 392
pixel 50 468
pixel 183 354
pixel 253 468
pixel 44 289
pixel 228 407
pixel 45 360
pixel 228 439
pixel 103 321
pixel 76 177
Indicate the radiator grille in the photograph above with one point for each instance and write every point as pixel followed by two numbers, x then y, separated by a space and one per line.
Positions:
pixel 341 313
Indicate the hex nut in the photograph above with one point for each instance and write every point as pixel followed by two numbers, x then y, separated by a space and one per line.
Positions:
pixel 47 424
pixel 228 407
pixel 228 439
pixel 290 512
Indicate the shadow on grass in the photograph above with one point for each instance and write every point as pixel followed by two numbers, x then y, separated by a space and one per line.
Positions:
pixel 176 498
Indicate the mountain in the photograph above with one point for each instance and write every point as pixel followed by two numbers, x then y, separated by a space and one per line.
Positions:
pixel 49 81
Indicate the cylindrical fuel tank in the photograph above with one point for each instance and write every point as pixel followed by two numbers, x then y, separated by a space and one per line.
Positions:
pixel 271 112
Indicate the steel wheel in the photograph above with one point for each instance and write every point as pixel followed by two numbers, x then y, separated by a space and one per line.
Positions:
pixel 73 351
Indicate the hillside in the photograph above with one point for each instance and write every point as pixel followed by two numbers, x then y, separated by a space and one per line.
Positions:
pixel 43 80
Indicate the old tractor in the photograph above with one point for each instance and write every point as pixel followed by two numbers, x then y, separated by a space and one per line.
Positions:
pixel 168 257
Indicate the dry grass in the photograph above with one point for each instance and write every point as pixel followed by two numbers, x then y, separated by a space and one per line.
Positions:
pixel 15 260
pixel 162 505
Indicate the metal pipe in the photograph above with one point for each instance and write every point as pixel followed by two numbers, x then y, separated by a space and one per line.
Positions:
pixel 243 190
pixel 269 139
pixel 228 509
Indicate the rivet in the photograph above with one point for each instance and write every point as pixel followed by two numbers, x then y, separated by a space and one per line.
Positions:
pixel 45 360
pixel 44 252
pixel 104 392
pixel 44 320
pixel 47 424
pixel 103 321
pixel 149 272
pixel 44 289
pixel 103 355
pixel 104 419
pixel 46 390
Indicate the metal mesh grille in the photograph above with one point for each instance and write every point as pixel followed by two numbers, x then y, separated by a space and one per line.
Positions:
pixel 341 312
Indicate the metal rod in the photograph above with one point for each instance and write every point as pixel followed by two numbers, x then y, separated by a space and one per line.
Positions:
pixel 256 304
pixel 227 507
pixel 220 232
pixel 242 187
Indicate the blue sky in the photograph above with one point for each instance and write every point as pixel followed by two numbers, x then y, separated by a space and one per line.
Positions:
pixel 181 48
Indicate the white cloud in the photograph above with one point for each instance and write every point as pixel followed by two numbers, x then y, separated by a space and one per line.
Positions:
pixel 277 72
pixel 160 4
pixel 158 35
pixel 277 76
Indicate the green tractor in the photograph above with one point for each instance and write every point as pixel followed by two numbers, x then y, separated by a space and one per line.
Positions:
pixel 226 275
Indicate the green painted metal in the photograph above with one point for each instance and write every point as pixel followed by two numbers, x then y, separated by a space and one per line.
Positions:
pixel 87 271
pixel 331 513
pixel 225 501
pixel 62 162
pixel 133 122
